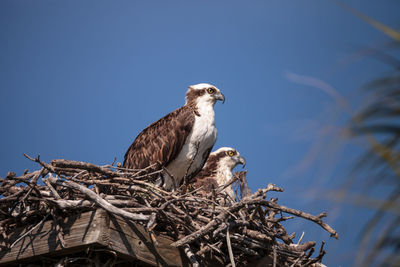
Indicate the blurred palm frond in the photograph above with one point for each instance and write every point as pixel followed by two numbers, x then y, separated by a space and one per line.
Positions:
pixel 392 33
pixel 379 122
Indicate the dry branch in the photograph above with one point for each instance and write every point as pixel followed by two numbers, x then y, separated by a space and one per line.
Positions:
pixel 99 201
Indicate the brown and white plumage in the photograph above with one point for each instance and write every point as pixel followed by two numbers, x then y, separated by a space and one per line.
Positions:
pixel 181 141
pixel 218 170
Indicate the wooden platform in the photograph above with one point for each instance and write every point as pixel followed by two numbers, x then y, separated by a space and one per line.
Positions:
pixel 93 230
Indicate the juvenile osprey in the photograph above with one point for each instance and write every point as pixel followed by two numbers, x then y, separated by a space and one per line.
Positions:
pixel 218 170
pixel 181 141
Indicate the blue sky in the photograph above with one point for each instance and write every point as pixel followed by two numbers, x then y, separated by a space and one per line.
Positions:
pixel 80 79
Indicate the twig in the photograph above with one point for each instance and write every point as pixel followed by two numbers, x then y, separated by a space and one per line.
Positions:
pixel 140 171
pixel 229 245
pixel 244 188
pixel 302 214
pixel 53 191
pixel 27 233
pixel 153 187
pixel 62 163
pixel 301 238
pixel 99 201
pixel 191 256
pixel 58 230
pixel 230 182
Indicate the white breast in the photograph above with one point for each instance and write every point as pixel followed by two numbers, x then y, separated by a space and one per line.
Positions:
pixel 201 139
pixel 223 177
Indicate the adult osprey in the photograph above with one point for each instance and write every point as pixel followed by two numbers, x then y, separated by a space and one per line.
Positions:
pixel 180 142
pixel 218 170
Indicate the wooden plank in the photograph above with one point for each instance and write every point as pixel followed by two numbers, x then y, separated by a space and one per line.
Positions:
pixel 79 231
pixel 133 240
pixel 95 228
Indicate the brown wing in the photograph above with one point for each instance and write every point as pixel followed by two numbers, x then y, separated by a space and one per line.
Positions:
pixel 207 184
pixel 161 141
pixel 206 177
pixel 211 165
pixel 207 171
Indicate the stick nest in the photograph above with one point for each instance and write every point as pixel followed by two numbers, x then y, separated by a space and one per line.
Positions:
pixel 204 226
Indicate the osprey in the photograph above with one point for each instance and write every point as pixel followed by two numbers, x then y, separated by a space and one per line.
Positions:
pixel 218 170
pixel 180 142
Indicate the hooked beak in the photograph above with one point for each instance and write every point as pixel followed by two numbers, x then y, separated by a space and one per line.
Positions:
pixel 242 161
pixel 221 97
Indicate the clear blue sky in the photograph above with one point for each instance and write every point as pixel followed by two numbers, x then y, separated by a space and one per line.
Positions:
pixel 80 79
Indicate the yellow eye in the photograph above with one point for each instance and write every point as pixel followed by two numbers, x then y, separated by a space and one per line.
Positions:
pixel 210 90
pixel 231 153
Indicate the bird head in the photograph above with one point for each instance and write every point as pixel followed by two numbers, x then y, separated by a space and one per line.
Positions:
pixel 229 157
pixel 205 93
